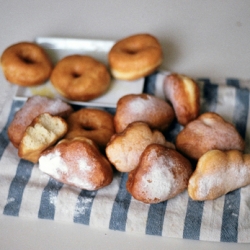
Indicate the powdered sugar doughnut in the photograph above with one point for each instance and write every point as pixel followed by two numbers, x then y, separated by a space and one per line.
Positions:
pixel 77 162
pixel 124 149
pixel 209 131
pixel 162 173
pixel 33 107
pixel 143 107
pixel 218 173
pixel 183 93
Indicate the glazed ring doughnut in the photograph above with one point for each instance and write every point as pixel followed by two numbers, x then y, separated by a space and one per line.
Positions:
pixel 135 56
pixel 80 78
pixel 93 124
pixel 26 64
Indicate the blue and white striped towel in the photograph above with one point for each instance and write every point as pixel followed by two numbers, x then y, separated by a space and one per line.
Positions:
pixel 26 192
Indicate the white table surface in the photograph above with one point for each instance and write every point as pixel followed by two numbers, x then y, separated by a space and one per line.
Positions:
pixel 200 38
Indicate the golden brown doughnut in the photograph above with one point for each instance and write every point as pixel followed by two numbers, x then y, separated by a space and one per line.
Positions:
pixel 143 107
pixel 209 131
pixel 26 64
pixel 135 56
pixel 33 107
pixel 124 149
pixel 161 174
pixel 218 173
pixel 183 93
pixel 94 124
pixel 80 78
pixel 44 131
pixel 77 162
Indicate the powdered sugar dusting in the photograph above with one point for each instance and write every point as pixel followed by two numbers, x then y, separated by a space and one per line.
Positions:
pixel 218 177
pixel 82 205
pixel 157 183
pixel 53 164
pixel 82 179
pixel 77 174
pixel 139 105
pixel 37 105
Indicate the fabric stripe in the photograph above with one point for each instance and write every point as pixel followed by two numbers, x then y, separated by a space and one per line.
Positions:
pixel 8 168
pixel 34 189
pixel 233 82
pixel 229 228
pixel 121 205
pixel 193 220
pixel 241 111
pixel 159 85
pixel 83 206
pixel 48 200
pixel 209 94
pixel 247 137
pixel 155 219
pixel 4 139
pixel 212 219
pixel 175 216
pixel 226 102
pixel 244 216
pixel 17 187
pixel 192 224
pixel 65 211
pixel 173 130
pixel 104 199
pixel 137 216
pixel 149 84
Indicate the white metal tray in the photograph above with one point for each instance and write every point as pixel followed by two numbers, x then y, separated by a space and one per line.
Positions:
pixel 57 48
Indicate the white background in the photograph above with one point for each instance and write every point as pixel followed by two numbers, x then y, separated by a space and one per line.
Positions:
pixel 200 39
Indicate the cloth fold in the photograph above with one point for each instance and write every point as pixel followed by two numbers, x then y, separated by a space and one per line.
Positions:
pixel 26 192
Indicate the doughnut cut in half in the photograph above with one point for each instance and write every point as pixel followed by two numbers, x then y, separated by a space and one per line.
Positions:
pixel 44 131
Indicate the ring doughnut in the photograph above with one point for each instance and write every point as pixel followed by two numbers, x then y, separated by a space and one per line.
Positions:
pixel 93 124
pixel 135 56
pixel 80 78
pixel 26 64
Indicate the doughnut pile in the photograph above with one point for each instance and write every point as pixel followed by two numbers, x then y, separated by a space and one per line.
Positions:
pixel 85 147
pixel 68 145
pixel 159 170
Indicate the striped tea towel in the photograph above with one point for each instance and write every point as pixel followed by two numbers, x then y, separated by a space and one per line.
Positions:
pixel 27 192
